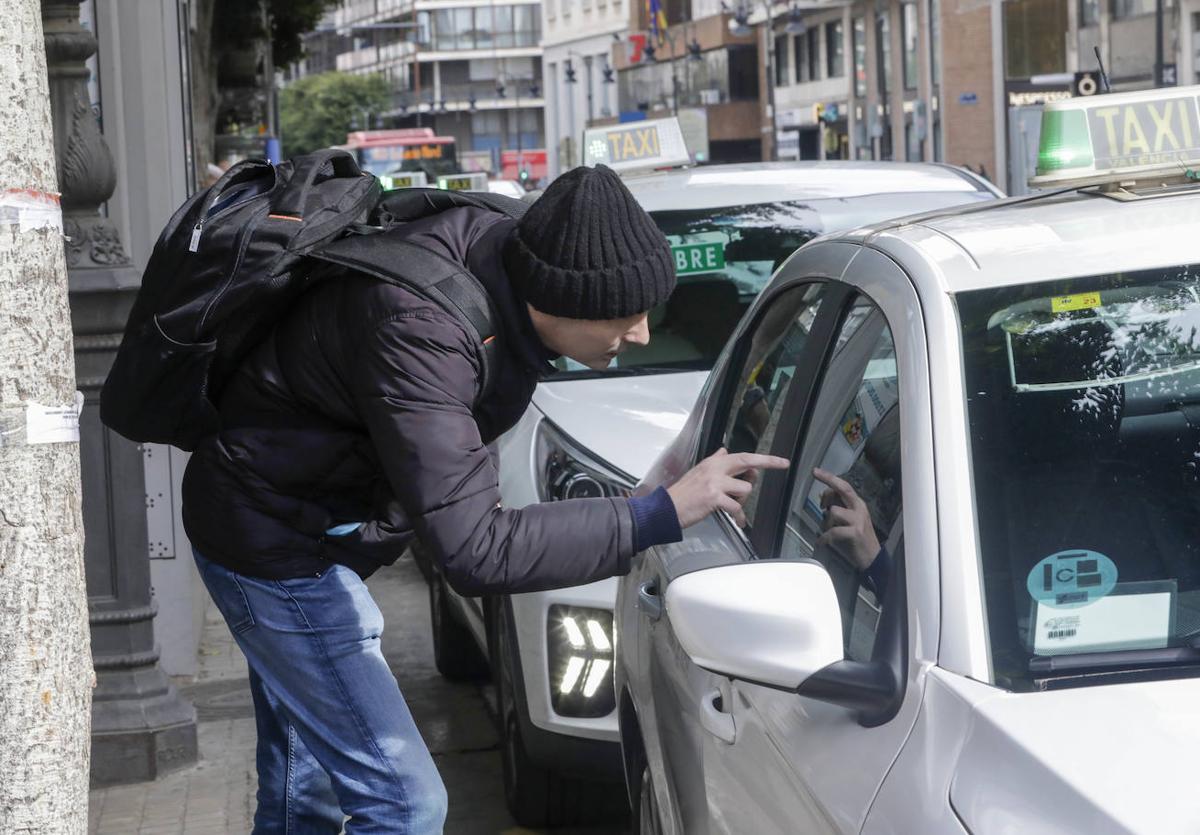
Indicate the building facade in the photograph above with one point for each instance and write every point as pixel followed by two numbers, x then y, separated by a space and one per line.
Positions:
pixel 468 69
pixel 699 68
pixel 860 81
pixel 577 42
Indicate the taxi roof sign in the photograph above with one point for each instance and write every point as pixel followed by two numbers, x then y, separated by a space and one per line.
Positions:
pixel 404 179
pixel 473 181
pixel 1118 137
pixel 650 143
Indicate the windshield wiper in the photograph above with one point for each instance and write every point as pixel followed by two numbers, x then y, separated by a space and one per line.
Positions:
pixel 1165 657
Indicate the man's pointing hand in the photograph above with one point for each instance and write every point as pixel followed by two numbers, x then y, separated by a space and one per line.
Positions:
pixel 714 484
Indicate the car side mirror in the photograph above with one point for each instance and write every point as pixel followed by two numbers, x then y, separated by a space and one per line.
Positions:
pixel 770 622
pixel 777 623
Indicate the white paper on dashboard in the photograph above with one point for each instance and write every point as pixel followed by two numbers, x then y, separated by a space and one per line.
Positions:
pixel 1115 622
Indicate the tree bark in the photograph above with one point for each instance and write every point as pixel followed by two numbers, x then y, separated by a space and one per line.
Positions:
pixel 205 94
pixel 45 656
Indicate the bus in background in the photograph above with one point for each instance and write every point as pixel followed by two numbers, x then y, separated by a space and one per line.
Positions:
pixel 384 152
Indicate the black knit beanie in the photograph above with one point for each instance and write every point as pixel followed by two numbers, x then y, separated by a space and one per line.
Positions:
pixel 587 250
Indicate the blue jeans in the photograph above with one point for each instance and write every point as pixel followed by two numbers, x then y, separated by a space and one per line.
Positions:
pixel 334 734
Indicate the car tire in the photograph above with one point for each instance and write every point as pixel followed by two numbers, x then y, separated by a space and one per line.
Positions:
pixel 455 653
pixel 536 796
pixel 646 820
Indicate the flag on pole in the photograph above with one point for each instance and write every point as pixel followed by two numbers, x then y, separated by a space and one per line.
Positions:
pixel 658 19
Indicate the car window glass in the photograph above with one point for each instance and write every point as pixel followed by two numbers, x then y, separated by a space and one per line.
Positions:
pixel 1083 400
pixel 853 435
pixel 723 257
pixel 775 347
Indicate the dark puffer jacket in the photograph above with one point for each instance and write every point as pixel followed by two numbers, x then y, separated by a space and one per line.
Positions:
pixel 358 408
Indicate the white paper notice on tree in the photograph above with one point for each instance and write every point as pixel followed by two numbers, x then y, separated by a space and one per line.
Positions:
pixel 53 424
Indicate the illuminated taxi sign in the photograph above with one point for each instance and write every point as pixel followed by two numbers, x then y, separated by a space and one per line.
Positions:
pixel 404 179
pixel 463 182
pixel 652 143
pixel 1118 137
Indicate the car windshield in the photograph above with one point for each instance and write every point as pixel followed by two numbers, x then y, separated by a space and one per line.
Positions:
pixel 1084 409
pixel 723 258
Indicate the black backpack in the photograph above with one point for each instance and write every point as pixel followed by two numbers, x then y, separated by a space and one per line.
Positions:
pixel 231 260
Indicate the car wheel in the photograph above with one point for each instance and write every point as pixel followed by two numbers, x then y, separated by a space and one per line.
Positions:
pixel 646 819
pixel 455 653
pixel 536 796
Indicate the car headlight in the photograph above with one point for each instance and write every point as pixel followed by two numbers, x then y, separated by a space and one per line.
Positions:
pixel 566 472
pixel 581 643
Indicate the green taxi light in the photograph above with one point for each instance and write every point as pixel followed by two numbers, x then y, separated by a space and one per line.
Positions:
pixel 1065 142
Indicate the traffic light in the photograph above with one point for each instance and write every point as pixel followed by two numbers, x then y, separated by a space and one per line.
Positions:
pixel 523 175
pixel 818 111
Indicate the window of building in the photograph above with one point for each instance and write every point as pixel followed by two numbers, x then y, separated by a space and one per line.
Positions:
pixel 503 22
pixel 1124 9
pixel 908 33
pixel 833 50
pixel 802 66
pixel 860 57
pixel 935 41
pixel 813 52
pixel 883 54
pixel 527 25
pixel 1033 37
pixel 781 60
pixel 1089 12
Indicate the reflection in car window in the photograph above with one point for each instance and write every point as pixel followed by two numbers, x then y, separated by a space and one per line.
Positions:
pixel 723 259
pixel 854 435
pixel 1084 405
pixel 776 346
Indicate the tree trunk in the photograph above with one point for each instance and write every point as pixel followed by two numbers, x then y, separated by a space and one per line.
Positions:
pixel 205 58
pixel 45 657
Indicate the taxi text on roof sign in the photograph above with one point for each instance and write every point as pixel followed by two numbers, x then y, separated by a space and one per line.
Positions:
pixel 1119 137
pixel 475 181
pixel 653 143
pixel 404 179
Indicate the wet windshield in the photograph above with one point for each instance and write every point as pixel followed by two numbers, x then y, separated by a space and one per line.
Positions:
pixel 1084 408
pixel 723 258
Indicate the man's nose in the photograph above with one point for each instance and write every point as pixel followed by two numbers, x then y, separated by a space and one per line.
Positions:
pixel 639 334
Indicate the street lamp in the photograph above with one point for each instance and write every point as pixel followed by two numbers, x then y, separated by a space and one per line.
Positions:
pixel 502 92
pixel 795 24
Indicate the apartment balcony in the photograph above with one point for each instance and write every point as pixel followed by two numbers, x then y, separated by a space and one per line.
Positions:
pixel 479 95
pixel 373 59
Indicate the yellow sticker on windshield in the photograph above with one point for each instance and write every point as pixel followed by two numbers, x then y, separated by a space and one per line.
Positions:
pixel 1080 301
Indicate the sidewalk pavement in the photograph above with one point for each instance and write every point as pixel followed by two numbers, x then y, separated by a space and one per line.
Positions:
pixel 216 796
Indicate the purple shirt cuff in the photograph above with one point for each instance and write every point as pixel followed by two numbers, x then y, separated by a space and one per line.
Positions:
pixel 654 520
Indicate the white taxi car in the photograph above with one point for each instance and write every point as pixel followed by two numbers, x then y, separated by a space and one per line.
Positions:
pixel 972 605
pixel 594 434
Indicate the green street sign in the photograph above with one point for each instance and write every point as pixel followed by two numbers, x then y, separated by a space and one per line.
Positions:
pixel 691 259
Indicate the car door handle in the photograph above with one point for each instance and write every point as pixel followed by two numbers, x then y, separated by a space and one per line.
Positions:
pixel 649 600
pixel 714 719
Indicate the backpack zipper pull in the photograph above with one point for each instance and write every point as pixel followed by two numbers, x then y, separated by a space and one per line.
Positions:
pixel 195 242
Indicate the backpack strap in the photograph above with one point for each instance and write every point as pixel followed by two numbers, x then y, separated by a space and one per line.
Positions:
pixel 405 204
pixel 429 275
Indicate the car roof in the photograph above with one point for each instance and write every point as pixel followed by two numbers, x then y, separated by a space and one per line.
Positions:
pixel 1039 238
pixel 740 184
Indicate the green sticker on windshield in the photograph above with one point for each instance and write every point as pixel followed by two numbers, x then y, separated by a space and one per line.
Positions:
pixel 691 259
pixel 1072 578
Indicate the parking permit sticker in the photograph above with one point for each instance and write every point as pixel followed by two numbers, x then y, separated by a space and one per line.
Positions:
pixel 1070 579
pixel 1080 301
